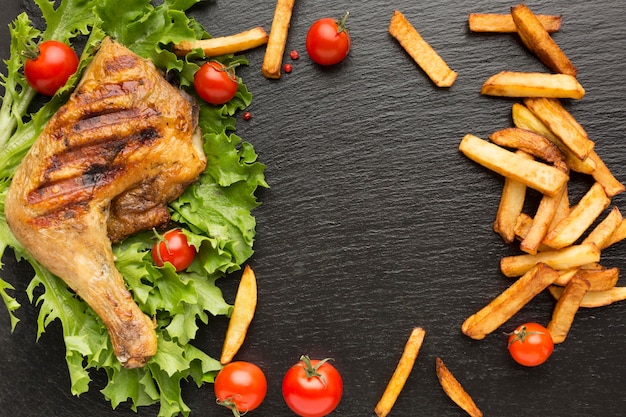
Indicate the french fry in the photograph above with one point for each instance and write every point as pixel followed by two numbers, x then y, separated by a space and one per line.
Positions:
pixel 509 302
pixel 401 373
pixel 581 217
pixel 546 211
pixel 532 84
pixel 222 45
pixel 503 23
pixel 618 235
pixel 510 207
pixel 594 299
pixel 552 113
pixel 537 175
pixel 275 48
pixel 602 233
pixel 566 308
pixel 566 258
pixel 604 176
pixel 241 315
pixel 600 279
pixel 453 388
pixel 523 118
pixel 539 41
pixel 421 51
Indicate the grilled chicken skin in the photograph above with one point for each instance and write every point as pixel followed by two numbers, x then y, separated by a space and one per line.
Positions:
pixel 105 166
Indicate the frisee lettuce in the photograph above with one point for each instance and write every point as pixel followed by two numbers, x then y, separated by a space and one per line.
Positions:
pixel 215 211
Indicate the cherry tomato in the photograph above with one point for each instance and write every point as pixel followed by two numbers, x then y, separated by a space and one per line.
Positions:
pixel 530 344
pixel 215 83
pixel 312 388
pixel 50 67
pixel 173 247
pixel 328 40
pixel 240 386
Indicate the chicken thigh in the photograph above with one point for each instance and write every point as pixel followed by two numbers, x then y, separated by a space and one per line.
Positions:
pixel 105 166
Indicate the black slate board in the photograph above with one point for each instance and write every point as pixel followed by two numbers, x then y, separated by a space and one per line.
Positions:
pixel 375 223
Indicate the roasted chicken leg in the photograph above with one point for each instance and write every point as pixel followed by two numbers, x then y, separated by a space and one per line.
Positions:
pixel 105 166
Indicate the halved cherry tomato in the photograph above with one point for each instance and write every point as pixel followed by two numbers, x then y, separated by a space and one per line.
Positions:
pixel 312 388
pixel 174 248
pixel 328 40
pixel 530 344
pixel 241 386
pixel 50 67
pixel 215 83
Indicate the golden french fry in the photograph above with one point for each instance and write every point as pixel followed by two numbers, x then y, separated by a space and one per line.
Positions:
pixel 580 218
pixel 453 388
pixel 526 119
pixel 566 258
pixel 503 23
pixel 275 48
pixel 546 211
pixel 241 315
pixel 566 308
pixel 552 113
pixel 537 175
pixel 604 176
pixel 532 143
pixel 539 41
pixel 601 234
pixel 532 84
pixel 223 45
pixel 510 207
pixel 618 235
pixel 401 373
pixel 421 51
pixel 509 302
pixel 600 279
pixel 594 299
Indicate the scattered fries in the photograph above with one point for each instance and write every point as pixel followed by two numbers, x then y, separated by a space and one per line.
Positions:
pixel 421 51
pixel 533 84
pixel 455 391
pixel 278 37
pixel 503 23
pixel 231 44
pixel 241 316
pixel 509 302
pixel 539 41
pixel 402 372
pixel 566 308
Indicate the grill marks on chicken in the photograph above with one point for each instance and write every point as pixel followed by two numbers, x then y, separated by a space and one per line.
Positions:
pixel 105 166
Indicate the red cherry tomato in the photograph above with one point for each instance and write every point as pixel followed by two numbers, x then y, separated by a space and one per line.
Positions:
pixel 215 83
pixel 328 40
pixel 530 344
pixel 240 386
pixel 173 247
pixel 52 66
pixel 312 388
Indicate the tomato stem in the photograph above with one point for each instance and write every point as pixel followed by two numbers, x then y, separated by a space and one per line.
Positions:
pixel 341 24
pixel 231 405
pixel 521 334
pixel 311 371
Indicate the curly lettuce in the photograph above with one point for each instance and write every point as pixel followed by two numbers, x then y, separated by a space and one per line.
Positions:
pixel 216 211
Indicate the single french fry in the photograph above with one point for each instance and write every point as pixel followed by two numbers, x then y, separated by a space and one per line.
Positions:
pixel 222 45
pixel 510 207
pixel 600 279
pixel 509 302
pixel 601 234
pixel 537 175
pixel 566 308
pixel 453 388
pixel 539 41
pixel 541 222
pixel 552 113
pixel 566 258
pixel 532 84
pixel 562 210
pixel 603 175
pixel 594 299
pixel 275 48
pixel 523 118
pixel 581 217
pixel 401 373
pixel 532 143
pixel 503 23
pixel 421 51
pixel 241 315
pixel 618 235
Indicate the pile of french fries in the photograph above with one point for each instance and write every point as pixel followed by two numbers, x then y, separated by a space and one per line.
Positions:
pixel 562 242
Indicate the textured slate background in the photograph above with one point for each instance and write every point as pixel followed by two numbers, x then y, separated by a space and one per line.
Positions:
pixel 375 223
